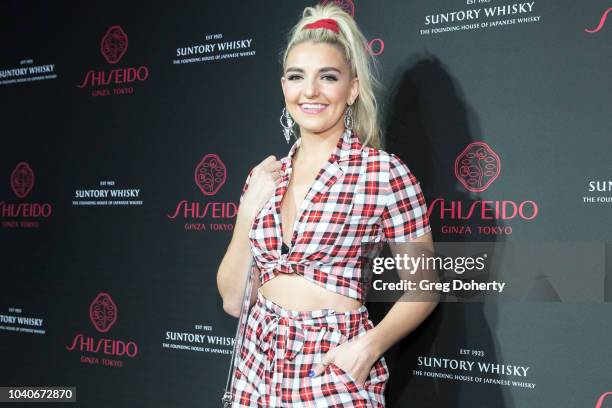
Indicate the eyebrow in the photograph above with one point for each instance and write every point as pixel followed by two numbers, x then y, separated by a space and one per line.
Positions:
pixel 324 69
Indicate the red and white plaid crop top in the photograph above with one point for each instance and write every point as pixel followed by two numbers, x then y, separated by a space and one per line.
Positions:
pixel 362 194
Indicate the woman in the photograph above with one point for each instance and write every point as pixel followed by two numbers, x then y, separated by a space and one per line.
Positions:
pixel 309 341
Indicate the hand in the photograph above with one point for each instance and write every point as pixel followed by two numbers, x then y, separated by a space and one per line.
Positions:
pixel 356 357
pixel 262 185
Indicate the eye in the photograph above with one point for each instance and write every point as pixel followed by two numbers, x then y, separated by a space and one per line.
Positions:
pixel 293 77
pixel 330 77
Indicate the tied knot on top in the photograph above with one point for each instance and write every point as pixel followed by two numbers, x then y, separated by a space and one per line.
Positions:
pixel 285 266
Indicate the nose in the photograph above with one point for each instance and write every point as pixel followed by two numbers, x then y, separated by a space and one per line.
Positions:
pixel 311 90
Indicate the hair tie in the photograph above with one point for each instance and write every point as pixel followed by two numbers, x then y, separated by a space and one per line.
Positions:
pixel 327 23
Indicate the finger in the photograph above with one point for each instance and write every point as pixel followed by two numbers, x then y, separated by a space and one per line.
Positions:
pixel 328 358
pixel 264 163
pixel 269 158
pixel 275 170
pixel 271 165
pixel 276 173
pixel 359 380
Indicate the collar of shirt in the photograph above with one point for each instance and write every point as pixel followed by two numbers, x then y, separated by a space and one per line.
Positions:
pixel 348 148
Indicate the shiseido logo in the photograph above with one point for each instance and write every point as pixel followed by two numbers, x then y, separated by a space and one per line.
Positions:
pixel 103 315
pixel 24 213
pixel 346 5
pixel 114 44
pixel 210 174
pixel 376 46
pixel 22 179
pixel 103 312
pixel 602 21
pixel 601 400
pixel 485 209
pixel 477 166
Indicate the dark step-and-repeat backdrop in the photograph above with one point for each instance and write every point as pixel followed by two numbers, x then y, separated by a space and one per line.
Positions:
pixel 115 114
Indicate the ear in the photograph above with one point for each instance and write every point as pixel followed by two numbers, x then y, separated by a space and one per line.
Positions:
pixel 354 90
pixel 283 80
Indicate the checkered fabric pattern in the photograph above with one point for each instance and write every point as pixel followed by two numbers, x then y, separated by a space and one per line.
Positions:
pixel 360 195
pixel 280 346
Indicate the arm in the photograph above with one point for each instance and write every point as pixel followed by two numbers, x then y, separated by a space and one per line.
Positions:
pixel 407 313
pixel 356 357
pixel 405 225
pixel 232 272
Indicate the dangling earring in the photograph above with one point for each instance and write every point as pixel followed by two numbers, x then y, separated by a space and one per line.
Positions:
pixel 348 118
pixel 288 128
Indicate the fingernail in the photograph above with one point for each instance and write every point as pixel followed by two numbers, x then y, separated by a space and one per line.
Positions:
pixel 311 373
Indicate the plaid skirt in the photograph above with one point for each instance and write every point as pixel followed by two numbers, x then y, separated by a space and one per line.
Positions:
pixel 281 346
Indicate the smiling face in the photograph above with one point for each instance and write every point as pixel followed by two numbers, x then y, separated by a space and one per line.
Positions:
pixel 318 85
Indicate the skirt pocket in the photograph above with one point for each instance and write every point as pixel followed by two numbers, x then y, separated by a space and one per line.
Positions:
pixel 327 341
pixel 346 378
pixel 251 361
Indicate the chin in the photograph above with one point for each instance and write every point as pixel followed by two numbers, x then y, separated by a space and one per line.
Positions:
pixel 315 126
pixel 315 129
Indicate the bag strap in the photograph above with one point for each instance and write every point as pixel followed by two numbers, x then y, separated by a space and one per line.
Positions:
pixel 227 397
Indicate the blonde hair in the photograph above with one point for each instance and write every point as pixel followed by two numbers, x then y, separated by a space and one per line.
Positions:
pixel 356 53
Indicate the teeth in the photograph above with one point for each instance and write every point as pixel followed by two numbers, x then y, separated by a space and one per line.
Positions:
pixel 312 106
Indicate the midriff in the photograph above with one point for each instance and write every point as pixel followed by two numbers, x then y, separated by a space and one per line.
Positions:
pixel 294 292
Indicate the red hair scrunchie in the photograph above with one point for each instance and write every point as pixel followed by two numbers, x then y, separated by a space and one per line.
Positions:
pixel 327 23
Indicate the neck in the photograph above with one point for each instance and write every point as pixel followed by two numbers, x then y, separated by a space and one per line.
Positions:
pixel 315 147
